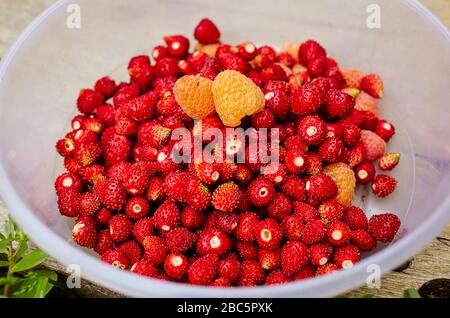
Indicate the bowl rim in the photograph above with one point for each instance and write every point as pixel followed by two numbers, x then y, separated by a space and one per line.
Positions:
pixel 130 284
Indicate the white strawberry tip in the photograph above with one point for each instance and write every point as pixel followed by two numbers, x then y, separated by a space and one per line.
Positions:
pixel 133 191
pixel 67 182
pixel 299 161
pixel 347 264
pixel 215 176
pixel 263 192
pixel 266 235
pixel 214 242
pixel 77 228
pixel 137 208
pixel 165 228
pixel 311 131
pixel 176 261
pixel 118 264
pixel 336 235
pixel 133 267
pixel 362 174
pixel 278 179
pixel 176 45
pixel 196 53
pixel 182 65
pixel 76 125
pixel 234 225
pixel 307 185
pixel 250 48
pixel 269 96
pixel 155 54
pixel 323 261
pixel 387 126
pixel 161 157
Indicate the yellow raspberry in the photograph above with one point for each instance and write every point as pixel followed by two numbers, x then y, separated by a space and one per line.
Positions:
pixel 236 96
pixel 345 180
pixel 194 95
pixel 367 103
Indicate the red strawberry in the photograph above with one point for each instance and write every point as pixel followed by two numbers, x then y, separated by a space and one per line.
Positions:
pixel 226 197
pixel 260 192
pixel 159 52
pixel 326 269
pixel 198 196
pixel 269 259
pixel 84 232
pixel 116 149
pixel 314 164
pixel 103 216
pixel 179 240
pixel 125 94
pixel 247 250
pixel 93 124
pixel 373 85
pixel 365 172
pixel 295 161
pixel 142 74
pixel 355 218
pixel 65 146
pixel 226 221
pixel 155 190
pixel 206 32
pixel 339 233
pixel 208 173
pixel 91 173
pixel 87 153
pixel 265 56
pixel 330 212
pixel 383 185
pixel 309 51
pixel 306 99
pixel 145 268
pixel 252 272
pixel 116 259
pixel 363 240
pixel 167 216
pixel 89 100
pixel 263 119
pixel 120 228
pixel 106 86
pixel 111 193
pixel 229 268
pixel 286 59
pixel 305 273
pixel 268 233
pixel 320 254
pixel 321 187
pixel 305 211
pixel 177 45
pixel 143 228
pixel 118 171
pixel 331 150
pixel 192 218
pixel 153 134
pixel 155 250
pixel 312 129
pixel 247 50
pixel 273 72
pixel 339 104
pixel 277 102
pixel 294 256
pixel 357 155
pixel 242 175
pixel 89 204
pixel 203 270
pixel 313 232
pixel 385 130
pixel 384 227
pixel 176 266
pixel 68 181
pixel 132 250
pixel 167 67
pixel 277 278
pixel 104 242
pixel 389 161
pixel 213 241
pixel 246 227
pixel 233 62
pixel 294 187
pixel 175 184
pixel 137 208
pixel 293 227
pixel 137 179
pixel 280 207
pixel 126 127
pixel 347 256
pixel 351 135
pixel 317 67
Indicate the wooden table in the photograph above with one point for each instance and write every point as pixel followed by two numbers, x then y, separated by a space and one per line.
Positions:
pixel 433 262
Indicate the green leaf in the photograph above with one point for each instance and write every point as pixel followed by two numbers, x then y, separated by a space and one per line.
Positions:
pixel 4 245
pixel 36 284
pixel 366 296
pixel 23 247
pixel 9 229
pixel 411 293
pixel 29 261
pixel 13 280
pixel 4 263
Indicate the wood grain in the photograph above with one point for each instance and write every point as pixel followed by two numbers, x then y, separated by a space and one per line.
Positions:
pixel 433 262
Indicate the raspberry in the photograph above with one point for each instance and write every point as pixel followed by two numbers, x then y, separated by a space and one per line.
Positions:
pixel 213 241
pixel 306 99
pixel 295 188
pixel 111 193
pixel 373 85
pixel 384 227
pixel 232 91
pixel 294 256
pixel 206 32
pixel 252 271
pixel 260 192
pixel 142 228
pixel 355 218
pixel 203 270
pixel 339 233
pixel 84 232
pixel 176 266
pixel 312 130
pixel 268 233
pixel 385 130
pixel 116 259
pixel 321 187
pixel 352 77
pixel 167 216
pixel 363 240
pixel 177 45
pixel 347 256
pixel 89 100
pixel 155 250
pixel 313 232
pixel 309 51
pixel 226 197
pixel 137 208
pixel 247 223
pixel 269 259
pixel 365 173
pixel 145 268
pixel 192 218
pixel 383 185
pixel 230 269
pixel 345 181
pixel 195 96
pixel 331 150
pixel 280 207
pixel 293 226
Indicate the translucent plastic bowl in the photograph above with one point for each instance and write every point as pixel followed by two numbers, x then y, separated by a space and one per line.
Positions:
pixel 46 67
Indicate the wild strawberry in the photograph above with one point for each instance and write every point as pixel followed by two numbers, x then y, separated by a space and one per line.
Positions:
pixel 247 250
pixel 167 66
pixel 246 227
pixel 153 134
pixel 198 196
pixel 116 149
pixel 208 173
pixel 211 69
pixel 331 150
pixel 87 153
pixel 192 218
pixel 89 100
pixel 111 193
pixel 213 241
pixel 120 228
pixel 306 99
pixel 103 216
pixel 203 270
pixel 175 184
pixel 389 161
pixel 313 232
pixel 352 77
pixel 293 227
pixel 230 269
pixel 384 227
pixel 206 32
pixel 268 233
pixel 305 273
pixel 317 67
pixel 351 135
pixel 320 254
pixel 166 160
pixel 330 212
pixel 177 45
pixel 294 256
pixel 295 142
pixel 104 242
pixel 275 172
pixel 159 52
pixel 365 172
pixel 243 175
pixel 226 221
pixel 373 85
pixel 247 50
pixel 89 204
pixel 186 67
pixel 126 127
pixel 355 218
pixel 356 156
pixel 345 181
pixel 72 165
pixel 116 259
pixel 144 268
pixel 143 74
pixel 383 185
pixel 339 104
pixel 137 208
pixel 136 180
pixel 155 190
pixel 278 103
pixel 295 161
pixel 363 240
pixel 309 51
pixel 280 207
pixel 347 256
pixel 321 187
pixel 92 173
pixel 252 271
pixel 220 282
pixel 312 130
pixel 125 93
pixel 143 228
pixel 106 86
pixel 155 249
pixel 265 56
pixel 176 266
pixel 167 216
pixel 286 59
pixel 269 259
pixel 132 250
pixel 84 232
pixel 93 124
pixel 339 233
pixel 326 269
pixel 118 171
pixel 273 72
pixel 226 197
pixel 260 192
pixel 68 181
pixel 305 211
pixel 69 202
pixel 385 130
pixel 263 119
pixel 65 146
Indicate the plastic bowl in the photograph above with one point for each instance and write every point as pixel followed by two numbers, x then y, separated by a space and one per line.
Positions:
pixel 50 62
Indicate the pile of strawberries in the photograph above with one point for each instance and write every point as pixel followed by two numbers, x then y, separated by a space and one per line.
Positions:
pixel 228 224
